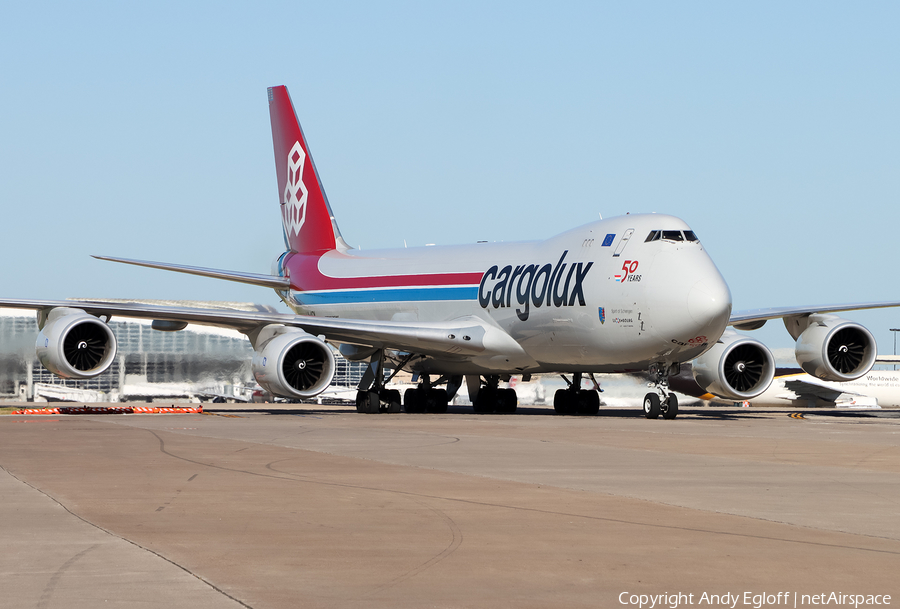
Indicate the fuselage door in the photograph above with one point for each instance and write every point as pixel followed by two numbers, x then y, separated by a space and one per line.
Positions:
pixel 623 242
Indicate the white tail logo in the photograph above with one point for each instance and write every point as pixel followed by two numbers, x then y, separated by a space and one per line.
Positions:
pixel 293 211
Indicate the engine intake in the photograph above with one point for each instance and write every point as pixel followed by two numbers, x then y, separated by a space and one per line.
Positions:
pixel 291 363
pixel 75 345
pixel 834 349
pixel 737 367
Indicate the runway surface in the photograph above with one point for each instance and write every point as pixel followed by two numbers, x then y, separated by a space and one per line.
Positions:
pixel 323 507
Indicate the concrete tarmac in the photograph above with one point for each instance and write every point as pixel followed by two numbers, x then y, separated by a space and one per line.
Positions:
pixel 307 506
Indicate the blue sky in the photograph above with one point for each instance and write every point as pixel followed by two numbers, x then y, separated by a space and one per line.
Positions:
pixel 142 131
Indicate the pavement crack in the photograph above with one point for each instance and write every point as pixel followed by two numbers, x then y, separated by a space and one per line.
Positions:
pixel 125 539
pixel 657 525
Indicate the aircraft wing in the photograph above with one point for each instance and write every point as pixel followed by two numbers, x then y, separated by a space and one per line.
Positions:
pixel 465 336
pixel 755 318
pixel 808 388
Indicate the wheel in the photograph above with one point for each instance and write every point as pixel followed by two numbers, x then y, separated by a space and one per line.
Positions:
pixel 392 398
pixel 670 407
pixel 368 402
pixel 436 401
pixel 507 401
pixel 486 400
pixel 588 402
pixel 564 402
pixel 414 400
pixel 651 406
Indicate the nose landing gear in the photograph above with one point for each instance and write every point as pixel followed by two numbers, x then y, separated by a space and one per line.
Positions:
pixel 662 402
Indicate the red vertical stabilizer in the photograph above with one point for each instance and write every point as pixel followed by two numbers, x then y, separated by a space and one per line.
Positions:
pixel 308 221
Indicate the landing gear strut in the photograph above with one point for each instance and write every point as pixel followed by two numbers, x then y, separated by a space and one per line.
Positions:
pixel 371 396
pixel 662 402
pixel 576 400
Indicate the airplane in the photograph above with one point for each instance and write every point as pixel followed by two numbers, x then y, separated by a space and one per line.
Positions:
pixel 632 293
pixel 794 388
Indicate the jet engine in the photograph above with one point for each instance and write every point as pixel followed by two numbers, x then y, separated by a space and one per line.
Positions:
pixel 75 345
pixel 834 349
pixel 291 363
pixel 737 367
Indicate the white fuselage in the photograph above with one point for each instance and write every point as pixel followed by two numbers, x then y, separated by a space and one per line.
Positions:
pixel 597 298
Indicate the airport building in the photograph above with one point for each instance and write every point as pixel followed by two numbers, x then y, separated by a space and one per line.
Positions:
pixel 199 363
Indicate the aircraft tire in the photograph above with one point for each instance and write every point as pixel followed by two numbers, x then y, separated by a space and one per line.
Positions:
pixel 564 402
pixel 392 397
pixel 485 401
pixel 651 406
pixel 670 407
pixel 414 401
pixel 370 402
pixel 507 401
pixel 588 402
pixel 436 401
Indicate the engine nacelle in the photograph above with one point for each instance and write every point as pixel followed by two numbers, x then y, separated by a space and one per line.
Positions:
pixel 737 367
pixel 291 363
pixel 75 345
pixel 834 349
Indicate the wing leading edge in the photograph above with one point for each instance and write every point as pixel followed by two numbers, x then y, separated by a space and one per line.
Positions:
pixel 466 336
pixel 756 318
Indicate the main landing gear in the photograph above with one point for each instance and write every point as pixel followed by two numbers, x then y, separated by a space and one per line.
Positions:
pixel 371 395
pixel 575 400
pixel 375 401
pixel 426 398
pixel 662 402
pixel 491 398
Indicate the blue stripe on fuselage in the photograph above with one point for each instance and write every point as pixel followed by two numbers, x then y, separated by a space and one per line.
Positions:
pixel 387 295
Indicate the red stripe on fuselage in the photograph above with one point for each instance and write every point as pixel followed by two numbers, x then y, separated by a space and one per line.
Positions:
pixel 303 270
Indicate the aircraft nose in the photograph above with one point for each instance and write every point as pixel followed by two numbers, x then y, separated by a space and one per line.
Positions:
pixel 688 299
pixel 709 302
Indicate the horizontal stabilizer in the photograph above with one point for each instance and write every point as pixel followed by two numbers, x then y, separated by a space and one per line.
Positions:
pixel 266 281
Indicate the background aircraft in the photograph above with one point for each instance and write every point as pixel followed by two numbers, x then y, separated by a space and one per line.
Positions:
pixel 635 292
pixel 793 387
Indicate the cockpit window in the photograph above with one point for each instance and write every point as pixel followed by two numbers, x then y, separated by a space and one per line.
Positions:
pixel 672 235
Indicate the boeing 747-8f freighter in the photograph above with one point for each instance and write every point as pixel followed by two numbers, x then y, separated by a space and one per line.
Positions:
pixel 636 292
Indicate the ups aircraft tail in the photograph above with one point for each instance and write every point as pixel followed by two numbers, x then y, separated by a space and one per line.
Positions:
pixel 309 225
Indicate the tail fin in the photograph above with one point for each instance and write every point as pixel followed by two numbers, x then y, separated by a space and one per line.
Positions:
pixel 309 224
